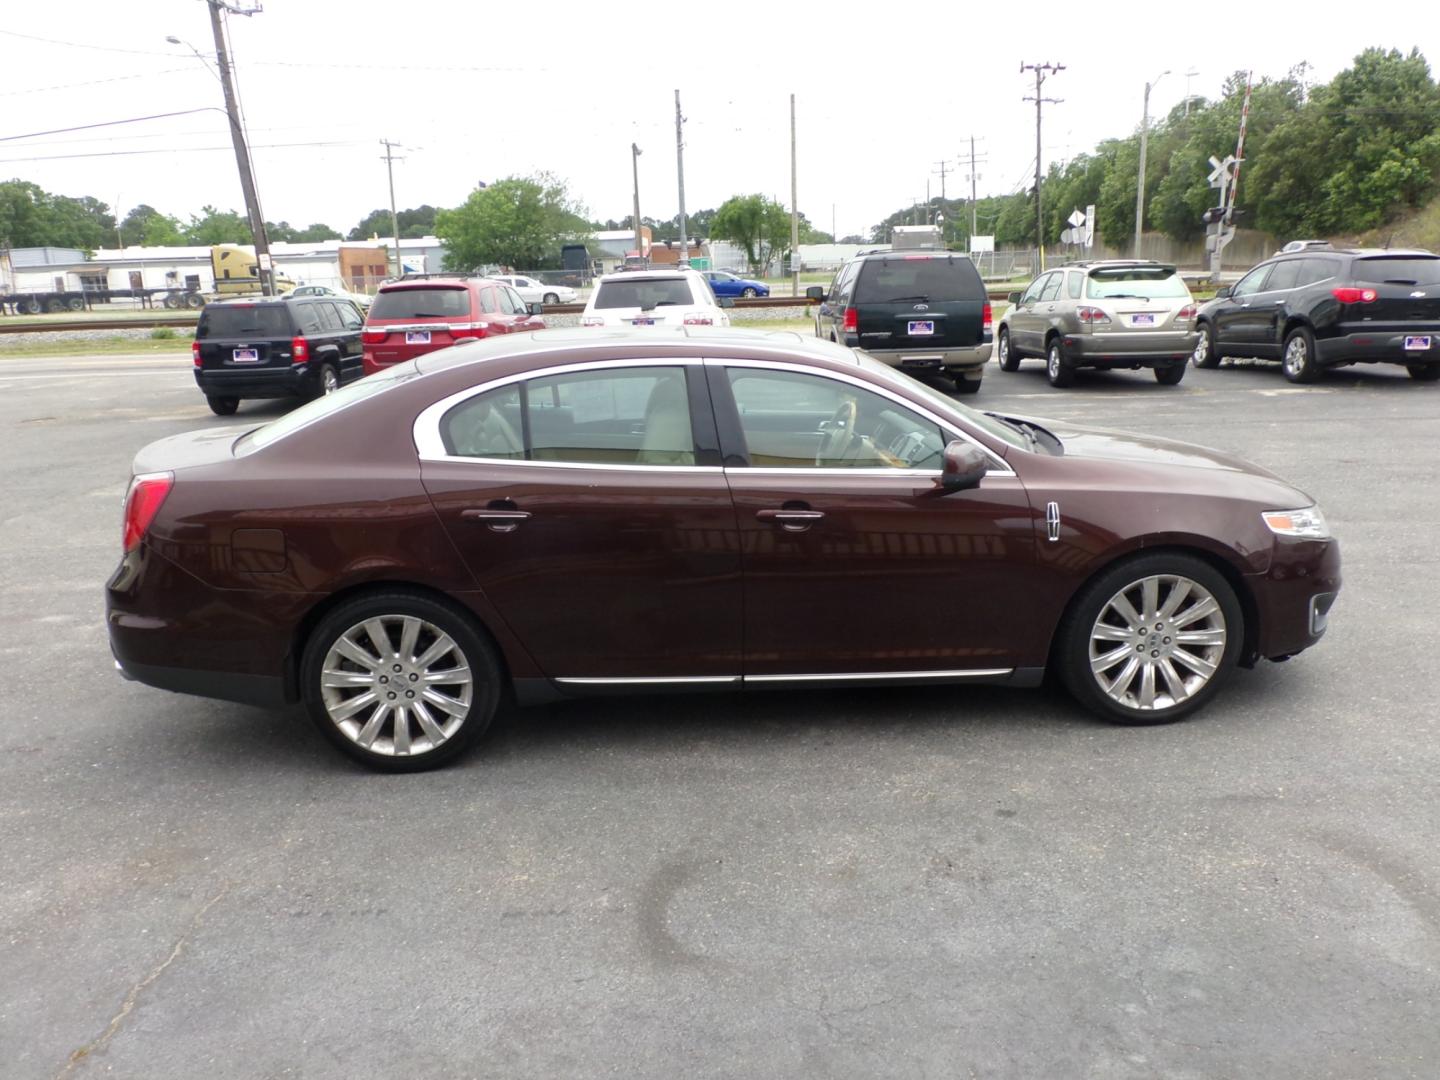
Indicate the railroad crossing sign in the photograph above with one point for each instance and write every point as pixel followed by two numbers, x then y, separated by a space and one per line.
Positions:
pixel 1221 176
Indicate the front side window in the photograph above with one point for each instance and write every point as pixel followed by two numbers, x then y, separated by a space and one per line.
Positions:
pixel 792 420
pixel 624 416
pixel 1052 288
pixel 1252 282
pixel 1032 294
pixel 517 304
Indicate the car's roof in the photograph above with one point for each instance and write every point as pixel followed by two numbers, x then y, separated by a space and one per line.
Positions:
pixel 438 282
pixel 252 301
pixel 649 275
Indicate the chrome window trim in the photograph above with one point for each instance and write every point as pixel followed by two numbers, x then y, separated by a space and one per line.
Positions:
pixel 1002 468
pixel 681 680
pixel 609 467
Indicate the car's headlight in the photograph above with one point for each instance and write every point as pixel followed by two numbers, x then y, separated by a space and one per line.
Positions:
pixel 1307 522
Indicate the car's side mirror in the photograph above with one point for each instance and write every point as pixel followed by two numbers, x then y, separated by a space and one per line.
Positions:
pixel 964 464
pixel 1222 292
pixel 1013 298
pixel 536 308
pixel 816 293
pixel 725 301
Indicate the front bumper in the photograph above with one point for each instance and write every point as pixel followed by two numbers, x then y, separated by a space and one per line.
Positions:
pixel 1295 596
pixel 1379 346
pixel 1129 348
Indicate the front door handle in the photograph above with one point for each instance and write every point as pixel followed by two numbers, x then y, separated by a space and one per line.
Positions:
pixel 791 520
pixel 501 521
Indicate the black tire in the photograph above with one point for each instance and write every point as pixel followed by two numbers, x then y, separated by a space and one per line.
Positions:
pixel 75 303
pixel 222 406
pixel 1090 611
pixel 171 301
pixel 194 300
pixel 966 386
pixel 1424 372
pixel 28 306
pixel 748 293
pixel 1170 374
pixel 1060 373
pixel 56 306
pixel 1005 356
pixel 471 705
pixel 327 381
pixel 550 298
pixel 1205 355
pixel 1298 359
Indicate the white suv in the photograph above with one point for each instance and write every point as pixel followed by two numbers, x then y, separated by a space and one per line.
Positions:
pixel 680 297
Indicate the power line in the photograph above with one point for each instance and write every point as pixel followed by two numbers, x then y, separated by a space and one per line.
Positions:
pixel 91 82
pixel 177 150
pixel 110 123
pixel 82 45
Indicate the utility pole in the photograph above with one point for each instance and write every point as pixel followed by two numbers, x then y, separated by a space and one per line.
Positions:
pixel 635 153
pixel 974 176
pixel 1140 182
pixel 1042 71
pixel 794 210
pixel 680 171
pixel 242 152
pixel 394 219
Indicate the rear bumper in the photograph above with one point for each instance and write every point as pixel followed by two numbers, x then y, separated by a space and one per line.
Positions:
pixel 1130 349
pixel 297 380
pixel 969 360
pixel 1380 347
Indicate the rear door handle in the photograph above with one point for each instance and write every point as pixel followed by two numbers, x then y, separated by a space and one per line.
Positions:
pixel 791 520
pixel 501 521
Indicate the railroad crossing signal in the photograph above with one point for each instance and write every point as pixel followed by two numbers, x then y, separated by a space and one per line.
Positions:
pixel 1221 175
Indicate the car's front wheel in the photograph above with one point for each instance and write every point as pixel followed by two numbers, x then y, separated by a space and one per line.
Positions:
pixel 1151 639
pixel 1057 370
pixel 1008 359
pixel 1299 363
pixel 748 293
pixel 1205 355
pixel 400 681
pixel 222 406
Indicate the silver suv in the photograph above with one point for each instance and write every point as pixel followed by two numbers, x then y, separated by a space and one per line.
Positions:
pixel 1107 314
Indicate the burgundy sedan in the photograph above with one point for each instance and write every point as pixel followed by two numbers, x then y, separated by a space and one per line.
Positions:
pixel 570 513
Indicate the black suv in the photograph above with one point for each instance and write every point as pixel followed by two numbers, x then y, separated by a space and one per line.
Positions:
pixel 270 347
pixel 918 311
pixel 1325 307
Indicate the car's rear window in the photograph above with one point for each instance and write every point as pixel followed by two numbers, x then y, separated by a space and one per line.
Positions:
pixel 901 280
pixel 644 294
pixel 244 320
pixel 440 302
pixel 1411 270
pixel 324 405
pixel 1159 282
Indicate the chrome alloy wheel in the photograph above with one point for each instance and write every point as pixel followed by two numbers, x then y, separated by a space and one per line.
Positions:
pixel 1296 357
pixel 1157 642
pixel 329 380
pixel 396 685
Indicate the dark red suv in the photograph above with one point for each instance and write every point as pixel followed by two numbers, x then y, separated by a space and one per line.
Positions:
pixel 419 315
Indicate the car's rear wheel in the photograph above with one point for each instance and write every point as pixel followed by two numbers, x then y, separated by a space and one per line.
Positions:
pixel 400 681
pixel 1151 639
pixel 1060 373
pixel 550 298
pixel 75 303
pixel 1205 355
pixel 222 406
pixel 1424 372
pixel 194 300
pixel 1007 358
pixel 171 301
pixel 1170 374
pixel 328 380
pixel 748 293
pixel 1298 360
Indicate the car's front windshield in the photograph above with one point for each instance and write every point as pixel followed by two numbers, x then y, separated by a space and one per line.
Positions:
pixel 988 424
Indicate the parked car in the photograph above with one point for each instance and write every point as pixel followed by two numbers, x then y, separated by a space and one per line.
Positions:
pixel 918 311
pixel 1108 314
pixel 538 292
pixel 1320 308
pixel 360 300
pixel 724 283
pixel 274 347
pixel 679 297
pixel 421 314
pixel 578 512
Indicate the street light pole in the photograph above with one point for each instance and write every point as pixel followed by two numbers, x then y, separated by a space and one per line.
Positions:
pixel 1144 138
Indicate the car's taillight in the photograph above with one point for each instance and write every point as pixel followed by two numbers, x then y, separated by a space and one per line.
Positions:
pixel 142 502
pixel 852 321
pixel 987 317
pixel 469 333
pixel 374 337
pixel 299 349
pixel 592 320
pixel 1091 316
pixel 698 318
pixel 1189 311
pixel 195 352
pixel 1351 295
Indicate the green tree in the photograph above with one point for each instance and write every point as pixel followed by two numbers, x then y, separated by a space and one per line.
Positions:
pixel 146 225
pixel 519 221
pixel 414 222
pixel 24 214
pixel 757 225
pixel 212 226
pixel 313 234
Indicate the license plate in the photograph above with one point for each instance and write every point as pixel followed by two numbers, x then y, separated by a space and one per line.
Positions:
pixel 417 337
pixel 921 327
pixel 1142 320
pixel 247 356
pixel 1417 342
pixel 642 322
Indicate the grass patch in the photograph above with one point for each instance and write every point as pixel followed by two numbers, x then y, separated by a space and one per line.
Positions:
pixel 116 345
pixel 163 333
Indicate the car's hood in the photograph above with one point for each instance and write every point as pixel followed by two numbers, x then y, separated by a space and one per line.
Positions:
pixel 1100 443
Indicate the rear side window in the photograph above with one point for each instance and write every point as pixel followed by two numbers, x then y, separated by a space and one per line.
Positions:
pixel 307 318
pixel 244 320
pixel 1074 285
pixel 1159 282
pixel 1316 270
pixel 935 280
pixel 649 293
pixel 452 302
pixel 1398 271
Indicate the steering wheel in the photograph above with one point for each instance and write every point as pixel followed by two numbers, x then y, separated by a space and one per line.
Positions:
pixel 839 433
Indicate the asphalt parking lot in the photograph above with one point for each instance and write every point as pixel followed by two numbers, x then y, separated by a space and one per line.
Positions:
pixel 956 882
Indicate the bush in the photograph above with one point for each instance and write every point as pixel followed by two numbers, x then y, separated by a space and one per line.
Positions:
pixel 163 333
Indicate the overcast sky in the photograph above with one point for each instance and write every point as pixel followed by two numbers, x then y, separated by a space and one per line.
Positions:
pixel 480 91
